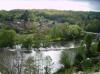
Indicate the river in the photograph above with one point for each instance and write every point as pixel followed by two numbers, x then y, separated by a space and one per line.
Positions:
pixel 51 54
pixel 54 52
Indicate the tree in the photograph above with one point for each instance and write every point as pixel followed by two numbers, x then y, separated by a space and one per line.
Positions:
pixel 64 59
pixel 98 47
pixel 88 42
pixel 56 32
pixel 40 40
pixel 27 43
pixel 26 16
pixel 93 26
pixel 75 31
pixel 7 38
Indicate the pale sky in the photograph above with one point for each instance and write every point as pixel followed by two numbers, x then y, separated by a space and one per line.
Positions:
pixel 76 5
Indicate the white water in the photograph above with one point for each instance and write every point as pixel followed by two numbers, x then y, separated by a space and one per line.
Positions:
pixel 55 55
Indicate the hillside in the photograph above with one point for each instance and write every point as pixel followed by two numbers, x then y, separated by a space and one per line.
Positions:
pixel 22 20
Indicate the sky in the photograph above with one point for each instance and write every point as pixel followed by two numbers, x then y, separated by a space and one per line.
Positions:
pixel 75 5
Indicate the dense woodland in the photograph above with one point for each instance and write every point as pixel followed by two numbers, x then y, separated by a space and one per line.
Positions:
pixel 31 28
pixel 21 20
pixel 52 24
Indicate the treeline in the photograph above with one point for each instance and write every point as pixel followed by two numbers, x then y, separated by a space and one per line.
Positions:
pixel 24 20
pixel 9 37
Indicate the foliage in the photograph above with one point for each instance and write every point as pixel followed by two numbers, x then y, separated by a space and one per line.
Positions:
pixel 37 28
pixel 24 19
pixel 75 31
pixel 65 60
pixel 27 43
pixel 7 38
pixel 37 40
pixel 66 32
pixel 56 32
pixel 69 71
pixel 78 58
pixel 98 47
pixel 93 26
pixel 81 60
pixel 57 25
pixel 94 48
pixel 86 64
pixel 88 41
pixel 60 71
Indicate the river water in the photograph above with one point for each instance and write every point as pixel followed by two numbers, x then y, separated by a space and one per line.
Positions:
pixel 54 52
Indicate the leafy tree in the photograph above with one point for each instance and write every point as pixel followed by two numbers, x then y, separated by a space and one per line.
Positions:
pixel 7 38
pixel 27 43
pixel 88 41
pixel 65 60
pixel 98 46
pixel 26 15
pixel 75 31
pixel 93 26
pixel 56 33
pixel 37 38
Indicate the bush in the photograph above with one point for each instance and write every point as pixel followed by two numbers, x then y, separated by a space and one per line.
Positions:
pixel 87 64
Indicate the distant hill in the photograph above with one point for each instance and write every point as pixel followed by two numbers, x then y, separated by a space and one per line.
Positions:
pixel 25 19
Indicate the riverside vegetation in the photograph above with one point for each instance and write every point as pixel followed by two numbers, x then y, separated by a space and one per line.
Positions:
pixel 39 28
